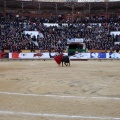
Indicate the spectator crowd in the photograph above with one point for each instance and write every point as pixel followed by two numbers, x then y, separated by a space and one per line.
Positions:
pixel 94 30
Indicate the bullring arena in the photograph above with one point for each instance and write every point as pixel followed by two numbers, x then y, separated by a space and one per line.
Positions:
pixel 42 90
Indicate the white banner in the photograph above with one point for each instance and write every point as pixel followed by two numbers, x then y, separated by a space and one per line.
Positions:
pixel 34 33
pixel 75 56
pixel 116 43
pixel 80 56
pixel 31 55
pixel 113 55
pixel 69 40
pixel 115 32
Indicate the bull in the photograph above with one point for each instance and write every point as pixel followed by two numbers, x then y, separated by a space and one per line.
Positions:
pixel 64 60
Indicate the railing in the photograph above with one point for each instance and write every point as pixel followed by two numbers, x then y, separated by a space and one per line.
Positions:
pixel 72 0
pixel 66 0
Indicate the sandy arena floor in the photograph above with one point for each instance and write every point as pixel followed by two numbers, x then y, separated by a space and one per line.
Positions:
pixel 40 90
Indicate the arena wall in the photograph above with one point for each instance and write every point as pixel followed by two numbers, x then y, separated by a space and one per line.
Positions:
pixel 91 55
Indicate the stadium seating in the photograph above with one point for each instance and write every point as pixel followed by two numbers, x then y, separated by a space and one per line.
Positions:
pixel 96 33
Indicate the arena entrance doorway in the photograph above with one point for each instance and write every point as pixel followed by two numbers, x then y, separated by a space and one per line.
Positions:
pixel 74 47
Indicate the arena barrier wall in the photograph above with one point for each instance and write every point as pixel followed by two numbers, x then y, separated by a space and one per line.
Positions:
pixel 4 55
pixel 75 56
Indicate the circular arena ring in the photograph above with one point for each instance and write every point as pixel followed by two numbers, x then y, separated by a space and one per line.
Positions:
pixel 40 90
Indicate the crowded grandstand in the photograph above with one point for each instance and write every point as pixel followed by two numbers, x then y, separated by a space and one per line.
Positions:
pixel 30 25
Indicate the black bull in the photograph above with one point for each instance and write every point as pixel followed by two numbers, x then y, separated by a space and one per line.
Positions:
pixel 65 60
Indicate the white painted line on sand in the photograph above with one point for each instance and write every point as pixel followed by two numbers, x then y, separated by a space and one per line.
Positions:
pixel 59 96
pixel 55 115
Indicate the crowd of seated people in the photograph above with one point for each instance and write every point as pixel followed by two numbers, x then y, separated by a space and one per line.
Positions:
pixel 94 30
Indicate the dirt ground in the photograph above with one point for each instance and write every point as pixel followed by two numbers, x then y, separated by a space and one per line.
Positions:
pixel 40 90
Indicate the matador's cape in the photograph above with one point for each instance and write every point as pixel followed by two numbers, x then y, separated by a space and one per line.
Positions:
pixel 58 58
